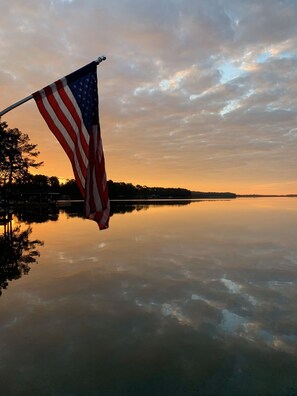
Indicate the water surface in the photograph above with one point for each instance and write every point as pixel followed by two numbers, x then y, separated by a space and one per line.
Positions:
pixel 191 299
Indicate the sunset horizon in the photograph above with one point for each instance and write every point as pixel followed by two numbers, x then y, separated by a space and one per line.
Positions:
pixel 204 100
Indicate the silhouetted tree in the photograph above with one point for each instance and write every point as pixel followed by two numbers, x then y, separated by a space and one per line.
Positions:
pixel 70 189
pixel 17 155
pixel 18 252
pixel 54 183
pixel 41 181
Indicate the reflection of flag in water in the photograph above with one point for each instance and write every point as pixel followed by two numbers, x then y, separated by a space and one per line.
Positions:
pixel 70 109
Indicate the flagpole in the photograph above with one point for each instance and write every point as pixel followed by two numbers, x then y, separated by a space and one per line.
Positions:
pixel 13 106
pixel 20 102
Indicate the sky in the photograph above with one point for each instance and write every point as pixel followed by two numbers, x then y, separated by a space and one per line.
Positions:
pixel 200 94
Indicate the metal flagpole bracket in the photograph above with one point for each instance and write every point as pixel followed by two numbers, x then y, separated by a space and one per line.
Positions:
pixel 100 59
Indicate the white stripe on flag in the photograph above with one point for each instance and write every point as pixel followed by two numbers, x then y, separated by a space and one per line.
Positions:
pixel 65 135
pixel 77 109
pixel 74 126
pixel 96 192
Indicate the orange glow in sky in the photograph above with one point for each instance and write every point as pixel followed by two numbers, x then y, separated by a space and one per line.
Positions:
pixel 200 95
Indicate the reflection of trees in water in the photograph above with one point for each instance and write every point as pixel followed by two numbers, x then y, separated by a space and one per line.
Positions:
pixel 122 207
pixel 36 214
pixel 41 214
pixel 73 209
pixel 18 252
pixel 76 209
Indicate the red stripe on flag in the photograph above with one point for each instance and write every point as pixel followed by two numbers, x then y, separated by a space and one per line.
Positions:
pixel 68 103
pixel 97 169
pixel 67 125
pixel 100 174
pixel 52 126
pixel 89 181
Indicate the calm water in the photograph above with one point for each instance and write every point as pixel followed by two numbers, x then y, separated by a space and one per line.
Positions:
pixel 192 299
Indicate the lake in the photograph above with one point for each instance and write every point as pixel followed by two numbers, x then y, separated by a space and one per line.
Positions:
pixel 183 298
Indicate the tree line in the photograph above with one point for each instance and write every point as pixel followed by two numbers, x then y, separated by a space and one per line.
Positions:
pixel 41 184
pixel 18 156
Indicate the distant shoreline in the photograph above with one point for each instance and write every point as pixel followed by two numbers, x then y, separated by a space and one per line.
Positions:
pixel 266 195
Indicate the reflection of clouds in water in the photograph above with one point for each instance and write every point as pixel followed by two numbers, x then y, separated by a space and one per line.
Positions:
pixel 175 312
pixel 61 255
pixel 254 326
pixel 235 288
pixel 231 286
pixel 147 285
pixel 231 322
pixel 93 259
pixel 291 258
pixel 165 309
pixel 252 300
pixel 238 291
pixel 102 245
pixel 196 297
pixel 277 284
pixel 242 315
pixel 252 331
pixel 214 304
pixel 138 238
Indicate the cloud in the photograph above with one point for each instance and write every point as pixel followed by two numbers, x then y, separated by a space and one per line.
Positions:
pixel 185 81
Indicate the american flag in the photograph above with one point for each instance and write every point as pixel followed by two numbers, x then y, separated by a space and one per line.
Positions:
pixel 70 109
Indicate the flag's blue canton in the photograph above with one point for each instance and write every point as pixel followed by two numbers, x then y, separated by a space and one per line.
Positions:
pixel 85 92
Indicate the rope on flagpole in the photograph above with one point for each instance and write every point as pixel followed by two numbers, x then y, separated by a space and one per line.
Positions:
pixel 20 102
